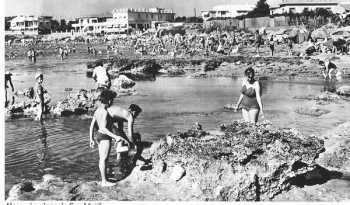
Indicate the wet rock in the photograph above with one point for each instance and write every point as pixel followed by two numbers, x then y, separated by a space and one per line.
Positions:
pixel 25 104
pixel 211 65
pixel 337 144
pixel 50 178
pixel 177 173
pixel 249 162
pixel 230 106
pixel 82 102
pixel 344 90
pixel 170 140
pixel 312 111
pixel 18 191
pixel 195 132
pixel 123 82
pixel 200 74
pixel 327 96
pixel 175 71
pixel 123 86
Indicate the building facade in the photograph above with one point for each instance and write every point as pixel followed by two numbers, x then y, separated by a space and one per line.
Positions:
pixel 141 18
pixel 31 25
pixel 298 6
pixel 226 11
pixel 123 20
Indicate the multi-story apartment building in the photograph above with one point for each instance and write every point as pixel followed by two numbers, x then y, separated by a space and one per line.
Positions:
pixel 123 20
pixel 31 25
pixel 298 6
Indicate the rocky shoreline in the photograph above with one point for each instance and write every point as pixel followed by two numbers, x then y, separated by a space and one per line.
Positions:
pixel 241 162
pixel 267 68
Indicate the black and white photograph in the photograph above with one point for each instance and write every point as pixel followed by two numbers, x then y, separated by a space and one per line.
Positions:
pixel 176 100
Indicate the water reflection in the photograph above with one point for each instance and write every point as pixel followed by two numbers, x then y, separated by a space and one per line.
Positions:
pixel 43 150
pixel 330 85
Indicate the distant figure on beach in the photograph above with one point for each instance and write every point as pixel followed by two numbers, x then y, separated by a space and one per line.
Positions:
pixel 290 46
pixel 32 55
pixel 250 98
pixel 104 134
pixel 39 95
pixel 8 79
pixel 258 42
pixel 327 68
pixel 272 45
pixel 61 52
pixel 101 76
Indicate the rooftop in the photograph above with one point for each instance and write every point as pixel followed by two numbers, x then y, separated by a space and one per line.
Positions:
pixel 148 10
pixel 310 1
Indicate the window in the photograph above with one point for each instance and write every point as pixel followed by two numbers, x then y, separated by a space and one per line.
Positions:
pixel 291 10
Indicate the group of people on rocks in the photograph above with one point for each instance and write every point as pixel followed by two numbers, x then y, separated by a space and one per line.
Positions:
pixel 108 119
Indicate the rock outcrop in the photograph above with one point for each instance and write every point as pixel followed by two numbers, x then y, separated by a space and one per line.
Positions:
pixel 344 90
pixel 312 111
pixel 248 163
pixel 82 102
pixel 337 143
pixel 25 104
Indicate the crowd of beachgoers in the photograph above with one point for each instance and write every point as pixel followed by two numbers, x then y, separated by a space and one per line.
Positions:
pixel 294 42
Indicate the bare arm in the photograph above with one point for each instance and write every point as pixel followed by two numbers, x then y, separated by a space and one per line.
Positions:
pixel 92 125
pixel 258 97
pixel 103 129
pixel 11 85
pixel 240 97
pixel 130 126
pixel 239 101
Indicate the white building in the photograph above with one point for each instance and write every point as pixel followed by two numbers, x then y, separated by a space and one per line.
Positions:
pixel 31 25
pixel 227 11
pixel 298 6
pixel 142 18
pixel 96 25
pixel 123 20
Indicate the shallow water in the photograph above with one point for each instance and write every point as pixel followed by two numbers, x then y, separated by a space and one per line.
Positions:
pixel 61 146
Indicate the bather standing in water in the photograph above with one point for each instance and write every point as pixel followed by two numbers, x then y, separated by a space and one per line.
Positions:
pixel 105 135
pixel 39 95
pixel 101 76
pixel 8 79
pixel 250 98
pixel 328 68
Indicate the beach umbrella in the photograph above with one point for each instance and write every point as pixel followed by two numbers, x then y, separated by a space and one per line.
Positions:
pixel 320 33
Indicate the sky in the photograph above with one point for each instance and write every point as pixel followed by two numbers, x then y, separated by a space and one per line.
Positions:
pixel 76 8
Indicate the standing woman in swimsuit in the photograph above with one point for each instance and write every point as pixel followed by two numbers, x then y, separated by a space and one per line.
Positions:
pixel 104 134
pixel 250 98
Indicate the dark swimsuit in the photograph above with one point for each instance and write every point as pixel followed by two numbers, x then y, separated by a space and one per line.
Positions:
pixel 249 98
pixel 99 135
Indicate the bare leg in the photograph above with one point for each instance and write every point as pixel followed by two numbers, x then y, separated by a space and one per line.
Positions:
pixel 330 73
pixel 253 115
pixel 40 111
pixel 104 148
pixel 245 115
pixel 6 97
